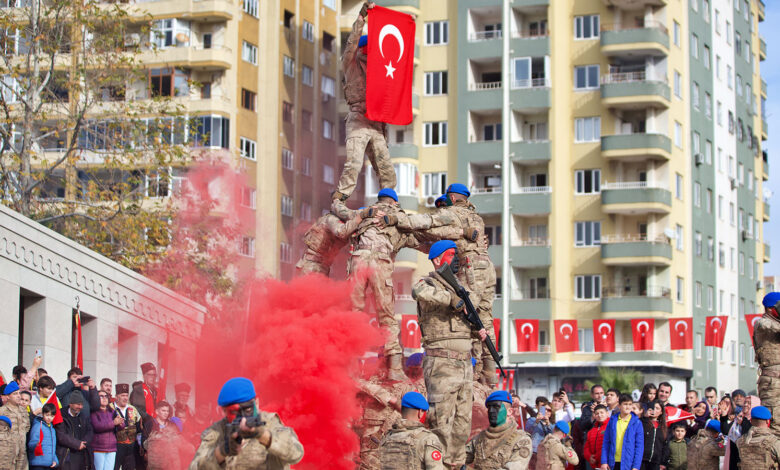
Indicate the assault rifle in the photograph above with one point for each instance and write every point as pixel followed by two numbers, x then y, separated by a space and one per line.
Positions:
pixel 471 313
pixel 235 427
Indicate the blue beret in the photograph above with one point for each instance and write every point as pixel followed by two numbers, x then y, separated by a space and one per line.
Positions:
pixel 7 420
pixel 760 412
pixel 388 192
pixel 440 247
pixel 459 189
pixel 414 400
pixel 11 387
pixel 771 299
pixel 363 40
pixel 473 362
pixel 713 425
pixel 441 200
pixel 415 360
pixel 499 395
pixel 236 390
pixel 563 426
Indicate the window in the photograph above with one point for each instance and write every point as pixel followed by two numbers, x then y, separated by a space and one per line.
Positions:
pixel 728 32
pixel 587 233
pixel 491 132
pixel 306 166
pixel 328 86
pixel 305 211
pixel 710 298
pixel 327 41
pixel 307 31
pixel 537 288
pixel 741 263
pixel 695 5
pixel 436 83
pixel 250 6
pixel 248 99
pixel 587 287
pixel 247 246
pixel 407 179
pixel 170 33
pixel 328 174
pixel 327 129
pixel 708 106
pixel 698 294
pixel 249 53
pixel 436 32
pixel 249 197
pixel 212 131
pixel 733 352
pixel 586 27
pixel 248 148
pixel 306 120
pixel 289 67
pixel 729 77
pixel 718 63
pixel 435 133
pixel 710 249
pixel 680 289
pixel 677 34
pixel 695 46
pixel 287 205
pixel 752 356
pixel 587 129
pixel 587 181
pixel 708 201
pixel 168 82
pixel 287 111
pixel 697 345
pixel 307 76
pixel 434 184
pixel 285 249
pixel 677 84
pixel 697 244
pixel 586 77
pixel 697 194
pixel 742 354
pixel 678 134
pixel 287 159
pixel 680 240
pixel 706 57
pixel 585 336
pixel 695 96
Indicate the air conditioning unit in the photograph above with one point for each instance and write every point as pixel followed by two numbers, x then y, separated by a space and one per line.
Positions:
pixel 698 159
pixel 430 201
pixel 733 183
pixel 745 235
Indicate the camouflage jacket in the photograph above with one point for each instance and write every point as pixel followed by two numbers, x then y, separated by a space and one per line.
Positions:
pixel 376 395
pixel 382 240
pixel 704 452
pixel 19 418
pixel 552 454
pixel 759 448
pixel 464 213
pixel 328 235
pixel 502 447
pixel 9 448
pixel 438 311
pixel 410 446
pixel 285 449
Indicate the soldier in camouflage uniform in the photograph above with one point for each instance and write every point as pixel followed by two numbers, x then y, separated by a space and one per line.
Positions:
pixel 766 338
pixel 502 445
pixel 9 448
pixel 555 450
pixel 415 373
pixel 271 446
pixel 361 131
pixel 759 448
pixel 409 445
pixel 446 336
pixel 479 412
pixel 325 239
pixel 371 269
pixel 706 448
pixel 20 424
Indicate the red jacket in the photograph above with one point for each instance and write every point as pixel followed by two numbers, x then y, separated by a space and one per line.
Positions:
pixel 594 442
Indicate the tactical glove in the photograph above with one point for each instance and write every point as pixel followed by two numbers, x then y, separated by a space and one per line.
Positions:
pixel 471 234
pixel 390 219
pixel 367 212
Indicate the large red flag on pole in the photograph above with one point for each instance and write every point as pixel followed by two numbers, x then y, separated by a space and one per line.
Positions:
pixel 715 330
pixel 79 341
pixel 390 66
pixel 681 333
pixel 604 335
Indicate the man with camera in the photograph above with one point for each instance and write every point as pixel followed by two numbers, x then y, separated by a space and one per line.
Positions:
pixel 84 384
pixel 247 438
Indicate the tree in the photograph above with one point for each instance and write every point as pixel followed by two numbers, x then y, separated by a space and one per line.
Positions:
pixel 88 146
pixel 625 380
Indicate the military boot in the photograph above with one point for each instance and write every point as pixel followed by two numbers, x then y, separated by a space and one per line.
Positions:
pixel 395 370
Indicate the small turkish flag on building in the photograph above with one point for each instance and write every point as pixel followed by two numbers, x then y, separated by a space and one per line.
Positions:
pixel 751 323
pixel 527 332
pixel 604 335
pixel 410 333
pixel 642 332
pixel 715 331
pixel 390 66
pixel 566 337
pixel 497 330
pixel 681 333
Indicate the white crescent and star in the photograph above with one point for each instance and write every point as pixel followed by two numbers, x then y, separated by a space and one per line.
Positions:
pixel 753 322
pixel 716 319
pixel 684 324
pixel 392 30
pixel 609 330
pixel 530 329
pixel 566 325
pixel 639 327
pixel 409 325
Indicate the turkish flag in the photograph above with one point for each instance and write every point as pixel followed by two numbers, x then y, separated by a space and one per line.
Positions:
pixel 566 337
pixel 675 415
pixel 497 330
pixel 390 66
pixel 642 332
pixel 527 332
pixel 57 405
pixel 715 331
pixel 751 323
pixel 681 333
pixel 604 336
pixel 410 333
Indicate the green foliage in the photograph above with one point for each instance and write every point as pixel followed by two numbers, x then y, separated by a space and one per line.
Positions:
pixel 625 380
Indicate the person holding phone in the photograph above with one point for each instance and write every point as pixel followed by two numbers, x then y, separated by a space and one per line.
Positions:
pixel 539 426
pixel 564 409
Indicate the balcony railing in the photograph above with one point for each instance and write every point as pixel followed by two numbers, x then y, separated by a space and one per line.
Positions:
pixel 529 35
pixel 535 242
pixel 633 238
pixel 646 24
pixel 635 291
pixel 535 190
pixel 629 77
pixel 530 83
pixel 627 347
pixel 477 36
pixel 632 185
pixel 488 190
pixel 485 86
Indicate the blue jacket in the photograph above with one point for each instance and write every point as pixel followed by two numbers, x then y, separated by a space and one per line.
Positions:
pixel 633 444
pixel 49 444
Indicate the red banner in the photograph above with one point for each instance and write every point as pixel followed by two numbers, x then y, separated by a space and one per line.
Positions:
pixel 390 66
pixel 681 333
pixel 642 333
pixel 715 331
pixel 566 336
pixel 410 332
pixel 79 343
pixel 751 323
pixel 527 332
pixel 604 336
pixel 56 402
pixel 507 383
pixel 497 330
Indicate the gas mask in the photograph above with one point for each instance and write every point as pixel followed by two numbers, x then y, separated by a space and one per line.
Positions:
pixel 451 257
pixel 496 413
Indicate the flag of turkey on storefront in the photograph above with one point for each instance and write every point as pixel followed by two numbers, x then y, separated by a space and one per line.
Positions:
pixel 642 332
pixel 604 335
pixel 410 337
pixel 715 331
pixel 751 323
pixel 566 337
pixel 681 333
pixel 390 66
pixel 527 332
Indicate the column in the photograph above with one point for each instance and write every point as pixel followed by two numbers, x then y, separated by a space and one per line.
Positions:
pixel 48 325
pixel 9 326
pixel 133 350
pixel 100 348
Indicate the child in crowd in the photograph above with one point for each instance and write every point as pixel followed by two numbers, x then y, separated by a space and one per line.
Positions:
pixel 43 440
pixel 676 449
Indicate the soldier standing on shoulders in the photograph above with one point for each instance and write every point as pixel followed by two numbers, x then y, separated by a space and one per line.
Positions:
pixel 325 239
pixel 706 448
pixel 759 448
pixel 766 338
pixel 409 445
pixel 269 446
pixel 555 450
pixel 447 368
pixel 502 445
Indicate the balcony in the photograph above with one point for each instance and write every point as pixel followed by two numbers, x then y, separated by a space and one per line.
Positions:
pixel 761 10
pixel 399 3
pixel 530 96
pixel 636 147
pixel 635 198
pixel 766 253
pixel 625 353
pixel 764 129
pixel 530 3
pixel 403 151
pixel 203 10
pixel 635 250
pixel 635 4
pixel 533 253
pixel 763 88
pixel 626 301
pixel 483 96
pixel 487 200
pixel 480 36
pixel 762 48
pixel 530 151
pixel 633 90
pixel 532 45
pixel 214 58
pixel 531 201
pixel 766 211
pixel 652 39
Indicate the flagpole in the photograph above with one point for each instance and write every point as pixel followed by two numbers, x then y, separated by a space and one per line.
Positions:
pixel 79 342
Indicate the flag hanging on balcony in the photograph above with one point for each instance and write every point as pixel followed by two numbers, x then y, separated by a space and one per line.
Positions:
pixel 604 335
pixel 715 330
pixel 390 66
pixel 410 334
pixel 79 342
pixel 642 333
pixel 527 332
pixel 751 323
pixel 497 329
pixel 566 337
pixel 681 333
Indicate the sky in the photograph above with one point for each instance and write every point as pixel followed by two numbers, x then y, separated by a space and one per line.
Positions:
pixel 770 71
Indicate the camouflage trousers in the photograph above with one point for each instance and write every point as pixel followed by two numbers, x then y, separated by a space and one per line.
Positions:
pixel 481 277
pixel 365 137
pixel 450 397
pixel 769 393
pixel 310 263
pixel 372 278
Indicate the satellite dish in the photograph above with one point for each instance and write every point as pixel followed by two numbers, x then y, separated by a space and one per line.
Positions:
pixel 670 233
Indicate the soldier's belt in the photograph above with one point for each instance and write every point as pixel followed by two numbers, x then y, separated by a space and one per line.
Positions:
pixel 368 249
pixel 446 353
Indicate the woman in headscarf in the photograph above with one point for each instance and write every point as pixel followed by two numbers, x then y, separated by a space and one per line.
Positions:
pixel 701 414
pixel 740 426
